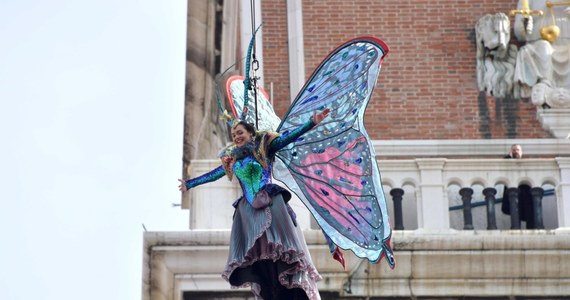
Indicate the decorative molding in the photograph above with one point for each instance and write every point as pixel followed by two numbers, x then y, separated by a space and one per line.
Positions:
pixel 556 121
pixel 470 148
pixel 475 263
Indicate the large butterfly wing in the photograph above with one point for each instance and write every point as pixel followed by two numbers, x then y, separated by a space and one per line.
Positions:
pixel 332 168
pixel 267 119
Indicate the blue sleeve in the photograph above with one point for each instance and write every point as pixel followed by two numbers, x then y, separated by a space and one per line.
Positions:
pixel 283 140
pixel 213 175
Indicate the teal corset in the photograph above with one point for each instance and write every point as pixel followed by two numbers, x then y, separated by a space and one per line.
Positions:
pixel 252 176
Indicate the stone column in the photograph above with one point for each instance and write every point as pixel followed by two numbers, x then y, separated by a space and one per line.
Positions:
pixel 296 45
pixel 210 208
pixel 433 205
pixel 537 194
pixel 161 283
pixel 397 194
pixel 513 198
pixel 490 201
pixel 246 33
pixel 563 192
pixel 201 114
pixel 466 196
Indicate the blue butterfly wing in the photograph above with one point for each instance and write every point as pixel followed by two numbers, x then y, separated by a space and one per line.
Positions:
pixel 332 168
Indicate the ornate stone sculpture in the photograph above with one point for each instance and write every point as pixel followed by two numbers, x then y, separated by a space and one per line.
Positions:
pixel 539 70
pixel 543 62
pixel 495 56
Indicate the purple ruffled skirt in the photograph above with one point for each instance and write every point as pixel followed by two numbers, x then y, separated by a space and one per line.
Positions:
pixel 268 253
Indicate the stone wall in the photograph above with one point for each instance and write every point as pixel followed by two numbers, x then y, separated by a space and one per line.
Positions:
pixel 441 264
pixel 204 133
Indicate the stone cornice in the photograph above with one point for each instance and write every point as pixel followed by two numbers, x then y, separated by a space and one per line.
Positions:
pixel 469 148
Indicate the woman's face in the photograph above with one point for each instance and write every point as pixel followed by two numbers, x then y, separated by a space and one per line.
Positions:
pixel 240 135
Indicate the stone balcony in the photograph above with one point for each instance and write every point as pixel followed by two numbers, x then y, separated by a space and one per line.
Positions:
pixel 435 258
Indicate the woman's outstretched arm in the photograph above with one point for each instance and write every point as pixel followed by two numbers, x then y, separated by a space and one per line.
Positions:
pixel 213 175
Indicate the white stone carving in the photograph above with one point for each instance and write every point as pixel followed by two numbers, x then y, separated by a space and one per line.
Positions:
pixel 495 56
pixel 539 70
pixel 543 67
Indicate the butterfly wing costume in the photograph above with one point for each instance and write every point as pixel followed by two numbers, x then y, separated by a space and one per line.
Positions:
pixel 269 121
pixel 332 167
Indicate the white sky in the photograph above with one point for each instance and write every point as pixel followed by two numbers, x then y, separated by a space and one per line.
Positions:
pixel 91 123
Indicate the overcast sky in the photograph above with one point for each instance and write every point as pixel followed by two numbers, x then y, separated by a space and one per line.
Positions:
pixel 91 122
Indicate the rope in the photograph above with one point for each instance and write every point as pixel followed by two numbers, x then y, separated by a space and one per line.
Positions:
pixel 254 63
pixel 250 81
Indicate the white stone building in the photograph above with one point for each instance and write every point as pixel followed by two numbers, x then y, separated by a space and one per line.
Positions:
pixel 435 257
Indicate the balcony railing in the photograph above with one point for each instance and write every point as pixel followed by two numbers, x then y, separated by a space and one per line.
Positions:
pixel 431 189
pixel 424 193
pixel 444 189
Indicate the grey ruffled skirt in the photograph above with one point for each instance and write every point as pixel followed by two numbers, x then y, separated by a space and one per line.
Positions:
pixel 268 253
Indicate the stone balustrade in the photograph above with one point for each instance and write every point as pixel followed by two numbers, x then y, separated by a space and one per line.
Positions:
pixel 422 190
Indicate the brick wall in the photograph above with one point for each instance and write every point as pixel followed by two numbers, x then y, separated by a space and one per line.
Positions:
pixel 427 88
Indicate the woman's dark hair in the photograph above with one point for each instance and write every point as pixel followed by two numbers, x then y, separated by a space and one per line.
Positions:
pixel 247 126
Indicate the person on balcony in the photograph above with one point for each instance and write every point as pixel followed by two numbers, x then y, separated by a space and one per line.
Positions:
pixel 526 212
pixel 515 152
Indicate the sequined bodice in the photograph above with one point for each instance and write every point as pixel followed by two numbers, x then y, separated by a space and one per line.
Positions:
pixel 252 176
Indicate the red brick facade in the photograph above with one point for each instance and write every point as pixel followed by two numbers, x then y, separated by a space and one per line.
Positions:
pixel 427 88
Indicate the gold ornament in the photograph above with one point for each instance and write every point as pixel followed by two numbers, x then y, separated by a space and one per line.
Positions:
pixel 550 33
